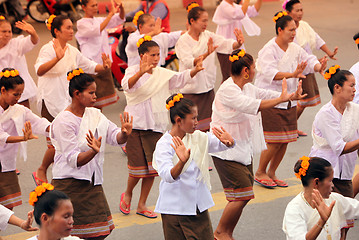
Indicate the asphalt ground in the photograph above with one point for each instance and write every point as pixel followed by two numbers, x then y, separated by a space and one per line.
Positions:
pixel 335 21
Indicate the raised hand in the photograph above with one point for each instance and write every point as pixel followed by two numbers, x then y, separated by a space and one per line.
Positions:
pixel 144 65
pixel 323 210
pixel 27 225
pixel 323 61
pixel 27 27
pixel 239 36
pixel 60 52
pixel 298 94
pixel 298 73
pixel 106 61
pixel 332 55
pixel 285 96
pixel 182 153
pixel 198 66
pixel 92 142
pixel 126 123
pixel 27 130
pixel 158 27
pixel 223 136
pixel 211 48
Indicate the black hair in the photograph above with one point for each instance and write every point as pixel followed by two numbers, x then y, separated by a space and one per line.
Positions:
pixel 80 83
pixel 142 19
pixel 355 37
pixel 10 82
pixel 290 4
pixel 282 22
pixel 84 2
pixel 48 203
pixel 144 47
pixel 339 77
pixel 57 23
pixel 237 66
pixel 318 168
pixel 195 13
pixel 181 108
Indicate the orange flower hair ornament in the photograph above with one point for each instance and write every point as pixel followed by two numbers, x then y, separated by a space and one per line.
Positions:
pixel 142 40
pixel 49 21
pixel 191 6
pixel 39 190
pixel 2 17
pixel 8 73
pixel 356 40
pixel 236 57
pixel 331 71
pixel 137 15
pixel 279 15
pixel 74 73
pixel 175 99
pixel 303 167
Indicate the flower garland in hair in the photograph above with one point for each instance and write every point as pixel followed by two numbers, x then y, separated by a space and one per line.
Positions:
pixel 357 41
pixel 137 15
pixel 279 15
pixel 39 190
pixel 2 17
pixel 237 56
pixel 74 73
pixel 175 99
pixel 49 21
pixel 191 6
pixel 303 167
pixel 9 73
pixel 142 40
pixel 331 71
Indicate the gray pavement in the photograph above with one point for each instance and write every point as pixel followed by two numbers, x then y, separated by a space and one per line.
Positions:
pixel 335 21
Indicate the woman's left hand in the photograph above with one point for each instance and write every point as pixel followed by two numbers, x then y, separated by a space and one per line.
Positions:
pixel 323 61
pixel 27 27
pixel 27 225
pixel 332 54
pixel 126 123
pixel 298 94
pixel 106 61
pixel 92 142
pixel 323 210
pixel 239 36
pixel 223 136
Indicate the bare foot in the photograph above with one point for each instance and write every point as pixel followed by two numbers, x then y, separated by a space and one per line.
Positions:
pixel 41 175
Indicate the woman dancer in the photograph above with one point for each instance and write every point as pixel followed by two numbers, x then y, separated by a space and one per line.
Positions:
pixel 280 58
pixel 198 43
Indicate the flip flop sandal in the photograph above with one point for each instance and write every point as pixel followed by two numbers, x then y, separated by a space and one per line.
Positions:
pixel 280 183
pixel 263 183
pixel 151 214
pixel 37 180
pixel 123 210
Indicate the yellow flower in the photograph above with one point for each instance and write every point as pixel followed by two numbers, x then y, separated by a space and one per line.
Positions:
pixel 76 72
pixel 241 53
pixel 180 95
pixel 280 15
pixel 140 41
pixel 13 73
pixel 147 38
pixel 48 186
pixel 33 198
pixel 297 175
pixel 49 21
pixel 327 76
pixel 70 76
pixel 39 190
pixel 357 41
pixel 16 72
pixel 81 71
pixel 137 15
pixel 337 66
pixel 176 98
pixel 332 70
pixel 305 164
pixel 7 73
pixel 193 5
pixel 2 18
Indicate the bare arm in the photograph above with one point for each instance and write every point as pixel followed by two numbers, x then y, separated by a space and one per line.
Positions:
pixel 258 5
pixel 245 6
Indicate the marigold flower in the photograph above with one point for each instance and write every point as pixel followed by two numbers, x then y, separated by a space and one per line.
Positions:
pixel 48 186
pixel 193 5
pixel 357 41
pixel 49 21
pixel 39 190
pixel 7 74
pixel 2 18
pixel 332 70
pixel 241 53
pixel 137 15
pixel 327 76
pixel 33 198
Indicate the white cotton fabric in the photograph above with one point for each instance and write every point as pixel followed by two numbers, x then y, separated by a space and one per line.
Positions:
pixel 68 133
pixel 187 49
pixel 12 55
pixel 53 86
pixel 299 218
pixel 164 40
pixel 331 131
pixel 272 59
pixel 182 196
pixel 355 71
pixel 92 41
pixel 12 122
pixel 237 111
pixel 5 215
pixel 142 109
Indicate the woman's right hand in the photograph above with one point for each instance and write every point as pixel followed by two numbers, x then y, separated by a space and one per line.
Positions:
pixel 298 73
pixel 27 130
pixel 210 46
pixel 323 210
pixel 144 65
pixel 60 52
pixel 92 142
pixel 182 153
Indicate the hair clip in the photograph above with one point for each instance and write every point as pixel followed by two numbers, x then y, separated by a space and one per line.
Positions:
pixel 176 98
pixel 303 167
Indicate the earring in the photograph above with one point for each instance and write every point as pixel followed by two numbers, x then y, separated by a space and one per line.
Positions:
pixel 246 76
